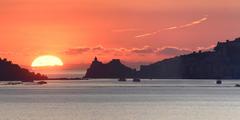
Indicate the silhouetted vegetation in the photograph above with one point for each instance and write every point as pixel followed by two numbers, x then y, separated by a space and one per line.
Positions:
pixel 13 72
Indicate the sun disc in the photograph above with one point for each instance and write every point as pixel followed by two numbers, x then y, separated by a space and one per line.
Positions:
pixel 47 60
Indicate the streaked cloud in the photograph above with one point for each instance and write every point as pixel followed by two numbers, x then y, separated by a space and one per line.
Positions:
pixel 78 50
pixel 193 23
pixel 209 48
pixel 144 50
pixel 147 51
pixel 196 22
pixel 173 51
pixel 147 34
pixel 98 48
pixel 82 50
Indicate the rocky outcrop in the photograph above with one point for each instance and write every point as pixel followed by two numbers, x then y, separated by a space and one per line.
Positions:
pixel 13 72
pixel 221 63
pixel 113 69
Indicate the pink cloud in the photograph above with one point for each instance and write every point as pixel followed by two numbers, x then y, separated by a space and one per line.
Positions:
pixel 166 51
pixel 209 48
pixel 75 51
pixel 172 51
pixel 144 50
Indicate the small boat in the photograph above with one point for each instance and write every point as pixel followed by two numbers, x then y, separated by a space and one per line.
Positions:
pixel 41 82
pixel 237 85
pixel 218 82
pixel 122 79
pixel 136 80
pixel 14 83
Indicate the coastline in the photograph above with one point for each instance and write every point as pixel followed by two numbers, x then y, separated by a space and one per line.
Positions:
pixel 129 83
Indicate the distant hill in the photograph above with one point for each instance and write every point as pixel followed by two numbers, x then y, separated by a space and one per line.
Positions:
pixel 113 69
pixel 221 63
pixel 13 72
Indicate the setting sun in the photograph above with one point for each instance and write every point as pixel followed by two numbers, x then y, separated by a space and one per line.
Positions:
pixel 47 60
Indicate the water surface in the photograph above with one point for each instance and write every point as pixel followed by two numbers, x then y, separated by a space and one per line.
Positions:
pixel 109 99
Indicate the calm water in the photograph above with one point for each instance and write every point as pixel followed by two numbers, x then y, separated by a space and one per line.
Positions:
pixel 112 100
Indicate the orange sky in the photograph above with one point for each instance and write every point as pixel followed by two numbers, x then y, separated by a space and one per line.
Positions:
pixel 78 30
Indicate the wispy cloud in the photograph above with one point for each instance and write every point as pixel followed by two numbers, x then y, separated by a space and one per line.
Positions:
pixel 167 51
pixel 79 50
pixel 144 50
pixel 147 34
pixel 196 22
pixel 209 48
pixel 172 51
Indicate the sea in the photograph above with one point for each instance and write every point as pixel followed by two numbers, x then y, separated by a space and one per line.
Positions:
pixel 108 99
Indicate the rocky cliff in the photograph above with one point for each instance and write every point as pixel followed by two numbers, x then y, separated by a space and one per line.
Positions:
pixel 113 69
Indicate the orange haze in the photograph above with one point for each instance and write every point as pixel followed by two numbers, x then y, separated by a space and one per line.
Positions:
pixel 78 30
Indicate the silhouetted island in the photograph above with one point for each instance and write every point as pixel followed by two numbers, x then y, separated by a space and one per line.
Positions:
pixel 221 63
pixel 13 72
pixel 113 69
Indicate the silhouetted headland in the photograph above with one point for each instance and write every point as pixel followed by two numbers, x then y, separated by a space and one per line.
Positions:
pixel 113 69
pixel 13 72
pixel 221 63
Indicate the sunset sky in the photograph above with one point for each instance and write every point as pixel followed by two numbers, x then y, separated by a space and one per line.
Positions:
pixel 131 30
